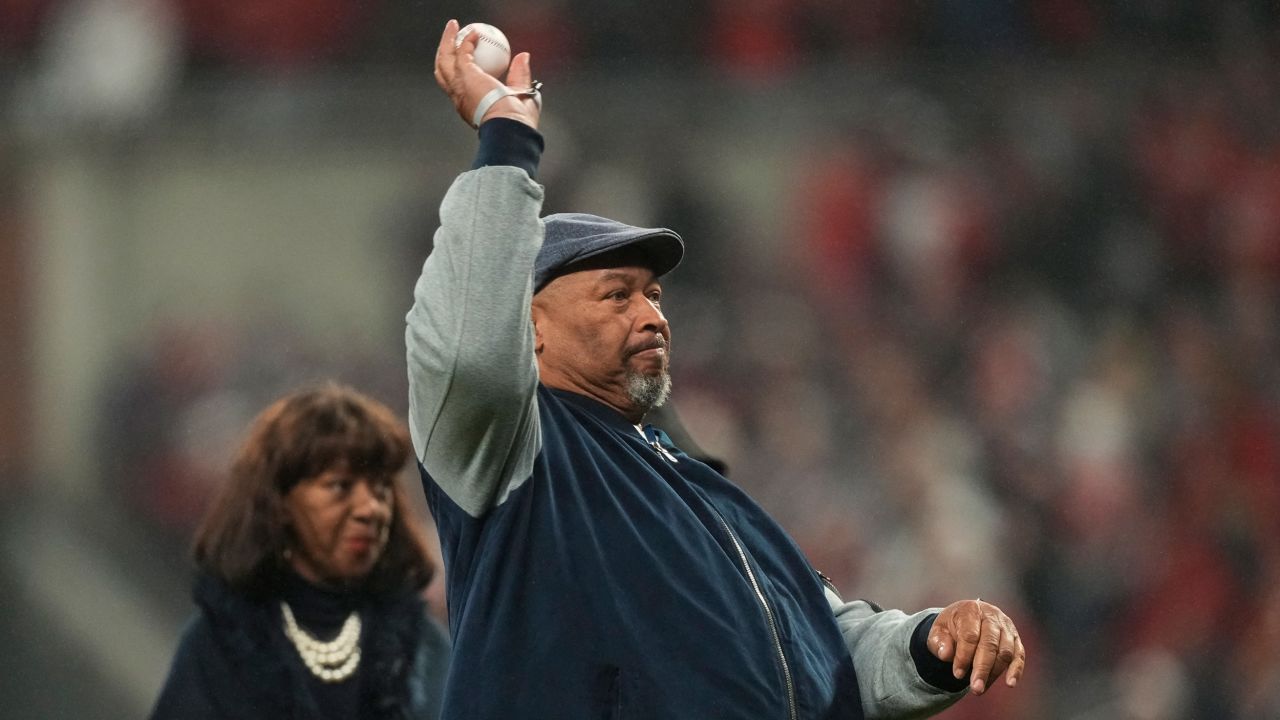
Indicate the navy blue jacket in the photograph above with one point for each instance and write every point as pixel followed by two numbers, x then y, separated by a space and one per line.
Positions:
pixel 624 580
pixel 592 571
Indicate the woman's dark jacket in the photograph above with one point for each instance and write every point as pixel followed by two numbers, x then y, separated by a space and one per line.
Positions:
pixel 234 661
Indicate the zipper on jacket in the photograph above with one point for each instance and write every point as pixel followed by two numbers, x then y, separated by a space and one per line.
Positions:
pixel 768 614
pixel 657 446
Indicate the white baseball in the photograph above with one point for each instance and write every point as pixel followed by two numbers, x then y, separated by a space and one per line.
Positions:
pixel 493 52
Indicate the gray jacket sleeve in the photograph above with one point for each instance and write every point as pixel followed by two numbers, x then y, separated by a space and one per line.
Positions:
pixel 473 377
pixel 880 643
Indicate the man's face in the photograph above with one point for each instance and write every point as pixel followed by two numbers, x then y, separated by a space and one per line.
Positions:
pixel 600 332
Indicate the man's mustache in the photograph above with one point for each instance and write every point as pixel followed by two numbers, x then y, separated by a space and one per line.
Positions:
pixel 657 342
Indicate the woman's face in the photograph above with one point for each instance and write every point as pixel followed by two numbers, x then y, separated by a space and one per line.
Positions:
pixel 340 523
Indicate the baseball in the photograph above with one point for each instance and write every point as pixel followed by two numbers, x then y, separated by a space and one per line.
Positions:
pixel 493 52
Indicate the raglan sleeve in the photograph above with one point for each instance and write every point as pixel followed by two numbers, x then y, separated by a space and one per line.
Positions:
pixel 898 678
pixel 469 337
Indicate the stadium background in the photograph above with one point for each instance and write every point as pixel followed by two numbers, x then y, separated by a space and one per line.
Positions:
pixel 982 298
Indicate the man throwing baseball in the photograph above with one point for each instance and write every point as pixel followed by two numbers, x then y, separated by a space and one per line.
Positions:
pixel 594 569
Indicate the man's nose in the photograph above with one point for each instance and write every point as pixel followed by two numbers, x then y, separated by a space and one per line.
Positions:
pixel 651 318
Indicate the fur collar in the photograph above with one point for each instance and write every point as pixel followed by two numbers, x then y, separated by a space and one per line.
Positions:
pixel 250 635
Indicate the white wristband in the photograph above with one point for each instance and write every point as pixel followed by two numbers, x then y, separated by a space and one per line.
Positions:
pixel 498 93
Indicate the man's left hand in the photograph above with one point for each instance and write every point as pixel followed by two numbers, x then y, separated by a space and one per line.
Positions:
pixel 978 639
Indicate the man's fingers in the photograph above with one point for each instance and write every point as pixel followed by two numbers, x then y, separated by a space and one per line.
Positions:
pixel 1008 648
pixel 1019 663
pixel 445 48
pixel 447 36
pixel 966 645
pixel 444 66
pixel 985 656
pixel 984 644
pixel 519 74
pixel 466 48
pixel 457 73
pixel 1011 651
pixel 940 643
pixel 964 621
pixel 451 55
pixel 1003 659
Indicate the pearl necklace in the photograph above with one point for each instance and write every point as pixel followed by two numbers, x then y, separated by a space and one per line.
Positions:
pixel 332 661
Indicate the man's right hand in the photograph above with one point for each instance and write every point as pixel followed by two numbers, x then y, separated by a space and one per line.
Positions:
pixel 980 641
pixel 466 84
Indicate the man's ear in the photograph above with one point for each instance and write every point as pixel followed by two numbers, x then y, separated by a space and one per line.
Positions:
pixel 536 314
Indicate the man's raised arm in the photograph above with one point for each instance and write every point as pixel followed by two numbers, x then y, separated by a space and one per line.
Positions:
pixel 472 372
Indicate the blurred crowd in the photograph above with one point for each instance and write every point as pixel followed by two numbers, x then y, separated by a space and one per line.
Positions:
pixel 1024 346
pixel 766 38
pixel 1036 360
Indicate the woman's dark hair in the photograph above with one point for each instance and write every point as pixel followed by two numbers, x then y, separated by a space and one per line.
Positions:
pixel 243 537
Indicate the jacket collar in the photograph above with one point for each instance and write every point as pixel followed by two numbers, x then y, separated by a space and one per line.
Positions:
pixel 249 632
pixel 598 410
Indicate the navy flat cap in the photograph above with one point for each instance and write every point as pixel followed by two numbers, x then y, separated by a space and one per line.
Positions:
pixel 570 238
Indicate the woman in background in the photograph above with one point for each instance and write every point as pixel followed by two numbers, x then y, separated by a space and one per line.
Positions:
pixel 311 573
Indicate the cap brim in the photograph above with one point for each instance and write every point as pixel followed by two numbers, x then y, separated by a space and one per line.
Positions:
pixel 660 250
